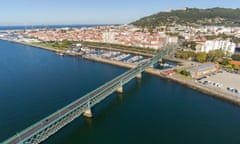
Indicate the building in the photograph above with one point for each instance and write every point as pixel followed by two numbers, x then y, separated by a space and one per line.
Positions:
pixel 169 72
pixel 225 45
pixel 237 50
pixel 203 70
pixel 108 37
pixel 172 39
pixel 236 63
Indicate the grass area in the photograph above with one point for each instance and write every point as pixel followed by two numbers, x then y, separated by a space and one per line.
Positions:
pixel 64 45
pixel 122 47
pixel 55 45
pixel 183 73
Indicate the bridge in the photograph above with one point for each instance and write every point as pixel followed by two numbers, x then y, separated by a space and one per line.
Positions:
pixel 46 127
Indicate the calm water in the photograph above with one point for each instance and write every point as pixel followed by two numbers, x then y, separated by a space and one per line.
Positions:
pixel 47 26
pixel 34 83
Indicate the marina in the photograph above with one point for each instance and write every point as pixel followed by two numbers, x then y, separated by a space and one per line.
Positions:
pixel 115 56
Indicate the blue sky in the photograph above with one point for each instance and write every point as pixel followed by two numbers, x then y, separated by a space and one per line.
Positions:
pixel 47 12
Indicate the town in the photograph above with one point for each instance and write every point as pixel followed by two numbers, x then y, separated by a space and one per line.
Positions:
pixel 119 72
pixel 201 39
pixel 204 52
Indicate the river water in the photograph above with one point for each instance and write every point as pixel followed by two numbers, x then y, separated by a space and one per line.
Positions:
pixel 35 83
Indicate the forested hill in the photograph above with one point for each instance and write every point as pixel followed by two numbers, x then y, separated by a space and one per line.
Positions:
pixel 192 17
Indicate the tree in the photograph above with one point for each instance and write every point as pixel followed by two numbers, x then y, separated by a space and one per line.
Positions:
pixel 225 62
pixel 219 53
pixel 211 56
pixel 236 67
pixel 236 57
pixel 193 45
pixel 215 54
pixel 201 57
pixel 191 16
pixel 186 73
pixel 185 54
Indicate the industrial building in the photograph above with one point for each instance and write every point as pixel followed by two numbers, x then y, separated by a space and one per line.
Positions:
pixel 203 69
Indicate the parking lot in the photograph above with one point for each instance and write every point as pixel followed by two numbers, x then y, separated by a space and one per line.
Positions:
pixel 228 82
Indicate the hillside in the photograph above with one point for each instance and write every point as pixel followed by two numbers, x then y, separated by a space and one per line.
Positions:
pixel 192 16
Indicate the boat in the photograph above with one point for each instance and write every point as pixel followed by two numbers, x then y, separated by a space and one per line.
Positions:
pixel 60 54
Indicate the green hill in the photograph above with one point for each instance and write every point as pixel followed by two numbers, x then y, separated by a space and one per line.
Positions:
pixel 193 17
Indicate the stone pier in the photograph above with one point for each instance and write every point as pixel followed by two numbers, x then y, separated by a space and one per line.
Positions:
pixel 120 90
pixel 160 61
pixel 88 113
pixel 139 76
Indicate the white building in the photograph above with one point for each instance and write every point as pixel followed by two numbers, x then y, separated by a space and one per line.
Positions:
pixel 172 39
pixel 225 45
pixel 109 37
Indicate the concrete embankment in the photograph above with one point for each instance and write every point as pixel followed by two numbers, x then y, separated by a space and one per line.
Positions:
pixel 187 82
pixel 121 50
pixel 43 47
pixel 207 90
pixel 112 62
pixel 196 86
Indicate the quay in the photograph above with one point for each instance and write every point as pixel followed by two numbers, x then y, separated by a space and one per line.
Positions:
pixel 181 80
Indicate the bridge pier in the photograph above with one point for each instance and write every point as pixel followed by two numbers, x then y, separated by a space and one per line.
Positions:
pixel 88 113
pixel 139 76
pixel 120 90
pixel 160 60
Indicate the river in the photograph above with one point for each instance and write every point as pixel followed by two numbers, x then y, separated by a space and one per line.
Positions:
pixel 35 83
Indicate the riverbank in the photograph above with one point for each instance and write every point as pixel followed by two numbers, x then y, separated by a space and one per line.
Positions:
pixel 121 50
pixel 176 78
pixel 231 98
pixel 43 47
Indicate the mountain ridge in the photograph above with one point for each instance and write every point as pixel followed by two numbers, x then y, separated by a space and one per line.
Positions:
pixel 192 17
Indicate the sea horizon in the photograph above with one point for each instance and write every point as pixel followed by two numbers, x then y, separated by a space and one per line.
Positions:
pixel 50 26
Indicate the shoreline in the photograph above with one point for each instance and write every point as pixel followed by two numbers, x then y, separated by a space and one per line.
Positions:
pixel 209 91
pixel 121 50
pixel 175 78
pixel 42 47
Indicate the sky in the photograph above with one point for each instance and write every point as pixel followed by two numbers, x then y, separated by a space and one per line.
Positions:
pixel 50 12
